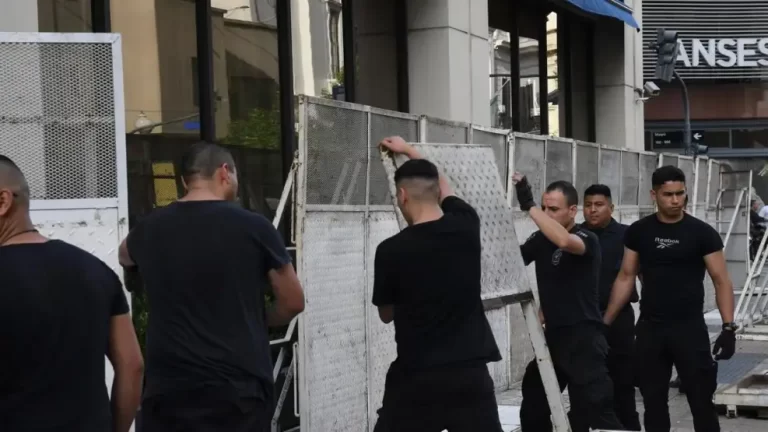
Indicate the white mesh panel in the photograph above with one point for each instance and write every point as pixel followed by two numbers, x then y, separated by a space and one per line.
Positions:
pixel 57 117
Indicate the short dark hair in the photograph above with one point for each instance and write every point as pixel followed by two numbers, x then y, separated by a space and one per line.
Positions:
pixel 11 176
pixel 667 173
pixel 202 159
pixel 598 189
pixel 417 169
pixel 571 196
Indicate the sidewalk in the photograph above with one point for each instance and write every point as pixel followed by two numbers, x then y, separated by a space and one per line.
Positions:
pixel 748 353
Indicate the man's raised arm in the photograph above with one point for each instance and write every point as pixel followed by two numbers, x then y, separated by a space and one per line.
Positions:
pixel 398 145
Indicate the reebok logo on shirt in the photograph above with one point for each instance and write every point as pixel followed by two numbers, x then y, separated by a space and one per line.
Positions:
pixel 662 243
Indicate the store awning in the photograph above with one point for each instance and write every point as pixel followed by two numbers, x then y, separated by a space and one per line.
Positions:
pixel 610 8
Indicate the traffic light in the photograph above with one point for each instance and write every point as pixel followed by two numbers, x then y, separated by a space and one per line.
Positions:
pixel 666 49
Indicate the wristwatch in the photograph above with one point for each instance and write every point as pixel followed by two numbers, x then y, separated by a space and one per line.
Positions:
pixel 730 326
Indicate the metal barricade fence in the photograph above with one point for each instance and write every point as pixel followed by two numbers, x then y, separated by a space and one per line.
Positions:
pixel 344 210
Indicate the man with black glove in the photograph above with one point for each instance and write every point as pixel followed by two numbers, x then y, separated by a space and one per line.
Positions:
pixel 567 260
pixel 674 249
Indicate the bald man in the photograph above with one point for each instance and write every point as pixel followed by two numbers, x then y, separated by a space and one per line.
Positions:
pixel 427 280
pixel 61 311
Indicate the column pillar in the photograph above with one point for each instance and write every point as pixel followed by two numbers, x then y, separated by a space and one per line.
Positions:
pixel 619 117
pixel 18 16
pixel 448 59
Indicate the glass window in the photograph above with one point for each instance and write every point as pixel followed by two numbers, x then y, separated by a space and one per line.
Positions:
pixel 750 138
pixel 530 105
pixel 73 16
pixel 501 92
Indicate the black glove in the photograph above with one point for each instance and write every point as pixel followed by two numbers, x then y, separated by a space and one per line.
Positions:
pixel 524 194
pixel 725 345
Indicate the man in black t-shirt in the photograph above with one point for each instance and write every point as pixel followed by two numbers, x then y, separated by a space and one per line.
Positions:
pixel 427 279
pixel 568 261
pixel 674 250
pixel 61 311
pixel 206 264
pixel 598 218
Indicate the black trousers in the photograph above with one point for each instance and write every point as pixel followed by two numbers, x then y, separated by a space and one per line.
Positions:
pixel 621 350
pixel 579 356
pixel 204 410
pixel 459 399
pixel 684 344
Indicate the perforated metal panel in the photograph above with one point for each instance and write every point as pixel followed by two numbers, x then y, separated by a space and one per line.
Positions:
pixel 471 171
pixel 57 117
pixel 610 169
pixel 530 160
pixel 383 126
pixel 701 181
pixel 630 173
pixel 498 320
pixel 498 141
pixel 686 165
pixel 334 327
pixel 648 164
pixel 446 131
pixel 559 160
pixel 586 168
pixel 667 159
pixel 714 182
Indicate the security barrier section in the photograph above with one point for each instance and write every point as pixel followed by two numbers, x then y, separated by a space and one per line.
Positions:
pixel 62 122
pixel 344 210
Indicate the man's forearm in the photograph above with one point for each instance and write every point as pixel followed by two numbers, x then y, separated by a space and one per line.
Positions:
pixel 725 301
pixel 549 227
pixel 279 315
pixel 126 397
pixel 620 294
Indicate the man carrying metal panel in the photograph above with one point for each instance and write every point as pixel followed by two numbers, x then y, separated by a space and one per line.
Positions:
pixel 427 279
pixel 674 250
pixel 598 218
pixel 567 260
pixel 206 264
pixel 61 311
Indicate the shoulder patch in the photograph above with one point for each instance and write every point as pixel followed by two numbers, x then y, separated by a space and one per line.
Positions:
pixel 532 236
pixel 581 233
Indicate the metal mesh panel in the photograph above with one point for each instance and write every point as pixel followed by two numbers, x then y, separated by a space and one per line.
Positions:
pixel 498 143
pixel 714 183
pixel 586 168
pixel 701 182
pixel 630 172
pixel 687 166
pixel 382 350
pixel 648 164
pixel 470 171
pixel 559 160
pixel 669 160
pixel 333 275
pixel 383 126
pixel 732 183
pixel 497 318
pixel 610 169
pixel 337 154
pixel 57 117
pixel 445 132
pixel 529 160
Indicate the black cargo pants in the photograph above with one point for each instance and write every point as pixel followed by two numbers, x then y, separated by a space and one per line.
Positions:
pixel 684 344
pixel 579 356
pixel 621 344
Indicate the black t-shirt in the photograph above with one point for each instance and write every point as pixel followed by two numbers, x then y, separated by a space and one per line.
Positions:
pixel 430 272
pixel 56 303
pixel 567 282
pixel 672 260
pixel 611 255
pixel 205 268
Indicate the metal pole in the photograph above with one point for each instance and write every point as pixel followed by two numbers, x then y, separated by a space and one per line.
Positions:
pixel 687 139
pixel 350 54
pixel 205 70
pixel 287 114
pixel 401 53
pixel 543 76
pixel 101 21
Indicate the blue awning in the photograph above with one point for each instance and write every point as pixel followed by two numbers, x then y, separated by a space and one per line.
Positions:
pixel 610 8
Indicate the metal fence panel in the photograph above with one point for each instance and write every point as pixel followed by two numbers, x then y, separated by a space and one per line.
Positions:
pixel 445 131
pixel 685 163
pixel 701 181
pixel 714 182
pixel 337 155
pixel 530 160
pixel 587 163
pixel 498 140
pixel 383 126
pixel 648 164
pixel 630 173
pixel 559 160
pixel 668 159
pixel 333 276
pixel 610 169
